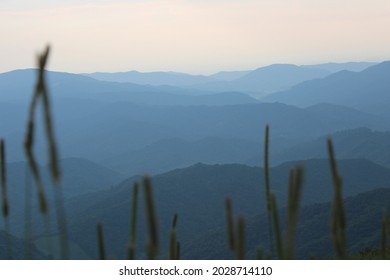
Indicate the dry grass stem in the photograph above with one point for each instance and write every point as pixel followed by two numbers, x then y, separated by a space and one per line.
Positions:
pixel 5 206
pixel 102 254
pixel 153 244
pixel 133 223
pixel 338 219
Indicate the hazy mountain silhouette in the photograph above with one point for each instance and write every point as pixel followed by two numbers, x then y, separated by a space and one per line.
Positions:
pixel 98 130
pixel 17 86
pixel 336 67
pixel 79 177
pixel 354 143
pixel 230 75
pixel 363 215
pixel 367 90
pixel 267 79
pixel 172 153
pixel 151 78
pixel 197 193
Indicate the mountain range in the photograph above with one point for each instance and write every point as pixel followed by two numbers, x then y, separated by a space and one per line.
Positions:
pixel 366 91
pixel 258 82
pixel 183 191
pixel 355 143
pixel 201 139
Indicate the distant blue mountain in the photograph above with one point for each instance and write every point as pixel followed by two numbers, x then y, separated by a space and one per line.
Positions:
pixel 151 78
pixel 354 143
pixel 197 194
pixel 267 79
pixel 18 86
pixel 368 90
pixel 230 75
pixel 336 67
pixel 258 82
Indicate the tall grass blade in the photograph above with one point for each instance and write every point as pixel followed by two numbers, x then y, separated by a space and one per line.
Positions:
pixel 5 207
pixel 152 247
pixel 266 169
pixel 338 218
pixel 42 88
pixel 240 241
pixel 385 234
pixel 102 253
pixel 28 144
pixel 259 253
pixel 230 223
pixel 30 133
pixel 275 219
pixel 28 229
pixel 173 240
pixel 268 187
pixel 62 227
pixel 178 250
pixel 294 193
pixel 133 223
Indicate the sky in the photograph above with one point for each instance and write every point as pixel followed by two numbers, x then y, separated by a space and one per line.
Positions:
pixel 193 36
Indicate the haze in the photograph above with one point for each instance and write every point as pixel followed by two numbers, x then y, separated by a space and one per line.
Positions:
pixel 192 36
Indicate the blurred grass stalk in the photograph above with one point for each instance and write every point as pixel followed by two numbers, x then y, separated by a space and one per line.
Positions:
pixel 41 92
pixel 235 231
pixel 152 245
pixel 131 248
pixel 338 218
pixel 294 194
pixel 286 250
pixel 5 207
pixel 173 243
pixel 4 199
pixel 102 252
pixel 268 189
pixel 385 234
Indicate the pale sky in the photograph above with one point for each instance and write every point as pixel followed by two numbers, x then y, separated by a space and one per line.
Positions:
pixel 194 36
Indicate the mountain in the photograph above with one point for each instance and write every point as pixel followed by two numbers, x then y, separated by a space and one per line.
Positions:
pixel 79 176
pixel 367 90
pixel 355 143
pixel 151 78
pixel 266 80
pixel 197 194
pixel 363 216
pixel 136 127
pixel 229 75
pixel 98 130
pixel 173 153
pixel 336 67
pixel 17 86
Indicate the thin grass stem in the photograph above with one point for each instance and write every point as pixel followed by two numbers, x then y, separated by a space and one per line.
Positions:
pixel 275 219
pixel 102 253
pixel 230 223
pixel 240 241
pixel 133 224
pixel 338 218
pixel 152 247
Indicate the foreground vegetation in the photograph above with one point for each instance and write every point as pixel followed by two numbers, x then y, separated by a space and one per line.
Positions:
pixel 282 227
